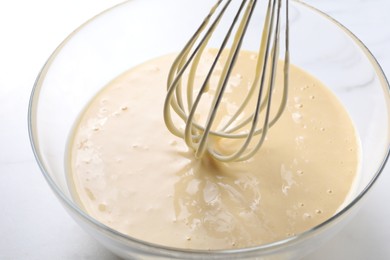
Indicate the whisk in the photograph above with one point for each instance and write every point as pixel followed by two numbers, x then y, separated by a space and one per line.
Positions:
pixel 183 101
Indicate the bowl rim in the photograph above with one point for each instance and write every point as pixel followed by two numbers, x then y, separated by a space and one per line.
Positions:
pixel 170 251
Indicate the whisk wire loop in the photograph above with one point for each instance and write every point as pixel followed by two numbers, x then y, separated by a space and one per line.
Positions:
pixel 197 135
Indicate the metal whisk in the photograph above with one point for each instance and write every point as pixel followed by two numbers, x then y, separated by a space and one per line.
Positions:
pixel 184 100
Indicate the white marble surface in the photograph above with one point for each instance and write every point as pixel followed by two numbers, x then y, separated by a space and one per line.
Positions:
pixel 33 225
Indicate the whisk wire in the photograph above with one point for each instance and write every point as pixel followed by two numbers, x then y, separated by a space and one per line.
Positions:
pixel 259 67
pixel 274 55
pixel 221 86
pixel 197 135
pixel 180 65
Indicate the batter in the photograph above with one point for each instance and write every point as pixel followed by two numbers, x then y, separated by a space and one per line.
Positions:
pixel 130 173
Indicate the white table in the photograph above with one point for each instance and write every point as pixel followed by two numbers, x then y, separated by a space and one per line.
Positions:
pixel 33 225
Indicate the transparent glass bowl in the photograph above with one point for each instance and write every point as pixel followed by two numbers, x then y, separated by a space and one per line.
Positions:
pixel 138 30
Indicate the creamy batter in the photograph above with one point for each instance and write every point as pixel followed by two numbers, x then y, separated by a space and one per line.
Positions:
pixel 130 173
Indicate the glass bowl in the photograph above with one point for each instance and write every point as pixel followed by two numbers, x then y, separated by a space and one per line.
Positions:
pixel 136 31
